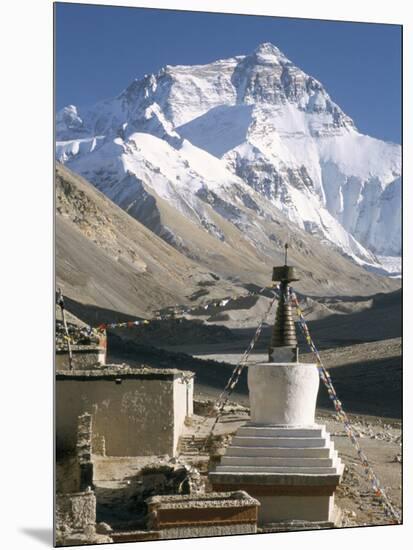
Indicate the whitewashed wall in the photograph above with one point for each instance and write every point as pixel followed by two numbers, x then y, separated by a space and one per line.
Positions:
pixel 136 417
pixel 183 404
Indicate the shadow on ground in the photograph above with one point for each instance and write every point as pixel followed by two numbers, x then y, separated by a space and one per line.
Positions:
pixel 368 387
pixel 95 315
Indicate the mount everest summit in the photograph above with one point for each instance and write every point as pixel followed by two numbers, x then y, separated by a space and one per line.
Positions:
pixel 235 149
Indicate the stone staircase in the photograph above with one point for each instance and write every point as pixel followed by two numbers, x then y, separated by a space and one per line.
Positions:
pixel 281 450
pixel 191 446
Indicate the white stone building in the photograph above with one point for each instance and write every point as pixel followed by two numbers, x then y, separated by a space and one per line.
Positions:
pixel 136 411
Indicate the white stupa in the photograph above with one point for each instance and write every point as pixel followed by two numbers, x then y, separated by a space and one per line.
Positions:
pixel 281 456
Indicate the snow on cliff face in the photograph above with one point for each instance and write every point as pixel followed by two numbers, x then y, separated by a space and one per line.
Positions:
pixel 254 126
pixel 134 172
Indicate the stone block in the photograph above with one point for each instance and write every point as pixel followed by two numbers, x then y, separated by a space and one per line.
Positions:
pixel 77 511
pixel 211 514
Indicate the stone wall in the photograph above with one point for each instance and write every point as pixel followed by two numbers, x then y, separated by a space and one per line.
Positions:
pixel 75 515
pixel 75 511
pixel 132 409
pixel 83 357
pixel 84 451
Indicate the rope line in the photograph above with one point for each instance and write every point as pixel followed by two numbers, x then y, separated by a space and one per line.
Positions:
pixel 61 304
pixel 379 491
pixel 131 324
pixel 236 373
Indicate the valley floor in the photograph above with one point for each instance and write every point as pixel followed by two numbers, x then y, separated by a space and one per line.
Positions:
pixel 367 377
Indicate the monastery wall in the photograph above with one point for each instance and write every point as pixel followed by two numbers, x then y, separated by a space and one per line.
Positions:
pixel 138 412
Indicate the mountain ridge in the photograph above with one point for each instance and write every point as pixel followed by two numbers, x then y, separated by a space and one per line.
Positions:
pixel 271 126
pixel 106 258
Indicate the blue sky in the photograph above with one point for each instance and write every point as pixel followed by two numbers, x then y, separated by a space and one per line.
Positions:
pixel 100 49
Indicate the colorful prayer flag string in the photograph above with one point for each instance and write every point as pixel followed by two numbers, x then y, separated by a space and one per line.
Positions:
pixel 131 324
pixel 326 379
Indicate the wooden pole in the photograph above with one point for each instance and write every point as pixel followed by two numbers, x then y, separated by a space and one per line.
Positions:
pixel 61 303
pixel 286 253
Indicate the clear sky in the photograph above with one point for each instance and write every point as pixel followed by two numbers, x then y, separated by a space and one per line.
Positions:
pixel 100 49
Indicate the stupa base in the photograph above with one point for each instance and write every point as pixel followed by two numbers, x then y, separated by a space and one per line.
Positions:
pixel 293 471
pixel 302 525
pixel 284 497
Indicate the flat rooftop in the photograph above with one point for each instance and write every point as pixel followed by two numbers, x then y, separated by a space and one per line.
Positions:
pixel 123 372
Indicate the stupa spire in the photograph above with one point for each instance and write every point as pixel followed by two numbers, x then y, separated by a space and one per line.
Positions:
pixel 283 346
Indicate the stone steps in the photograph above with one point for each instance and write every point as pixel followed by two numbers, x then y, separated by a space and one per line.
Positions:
pixel 280 431
pixel 280 450
pixel 276 469
pixel 275 461
pixel 188 447
pixel 274 451
pixel 191 446
pixel 286 442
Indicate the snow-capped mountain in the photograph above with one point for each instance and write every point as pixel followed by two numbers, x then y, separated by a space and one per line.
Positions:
pixel 250 141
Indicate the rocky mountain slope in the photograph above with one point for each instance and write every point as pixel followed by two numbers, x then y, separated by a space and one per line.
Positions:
pixel 232 145
pixel 107 259
pixel 110 263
